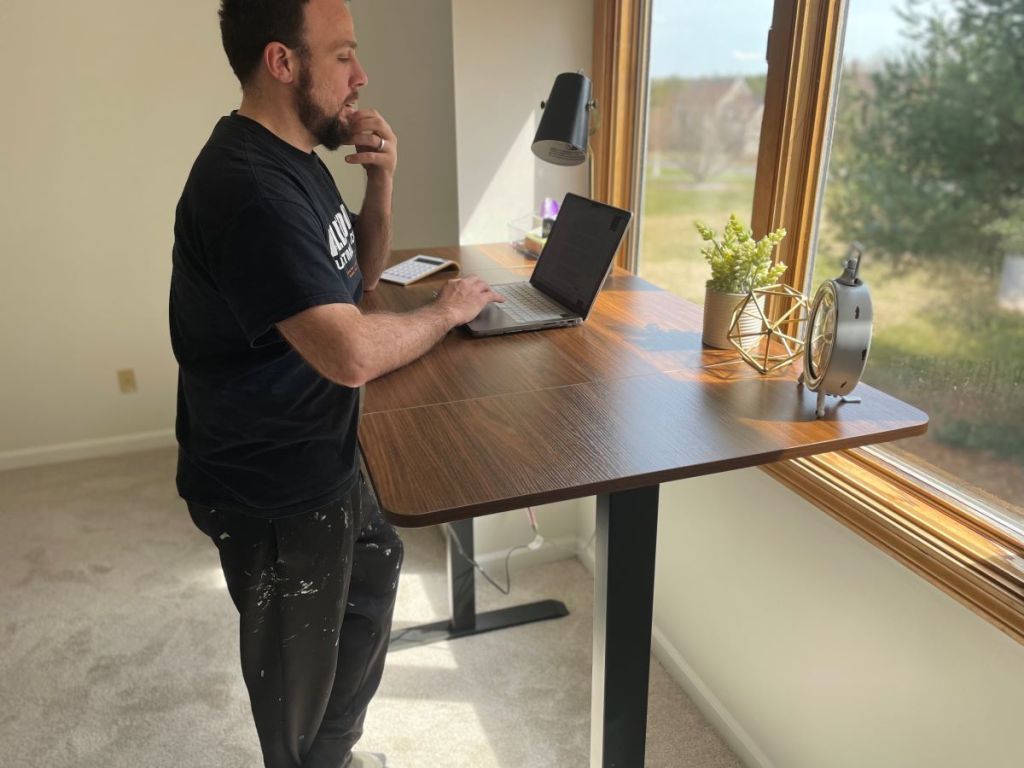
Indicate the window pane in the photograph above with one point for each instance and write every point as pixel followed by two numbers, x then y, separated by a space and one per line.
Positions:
pixel 927 172
pixel 707 78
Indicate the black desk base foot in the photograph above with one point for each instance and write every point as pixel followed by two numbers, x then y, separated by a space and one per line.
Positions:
pixel 485 622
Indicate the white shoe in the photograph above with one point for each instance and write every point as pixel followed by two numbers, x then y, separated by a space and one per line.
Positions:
pixel 368 760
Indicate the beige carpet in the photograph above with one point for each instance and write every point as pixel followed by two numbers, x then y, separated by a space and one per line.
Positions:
pixel 118 646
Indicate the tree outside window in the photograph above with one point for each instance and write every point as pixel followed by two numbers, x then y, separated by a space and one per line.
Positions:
pixel 927 171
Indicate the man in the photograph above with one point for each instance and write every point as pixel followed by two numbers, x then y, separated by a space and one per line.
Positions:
pixel 269 266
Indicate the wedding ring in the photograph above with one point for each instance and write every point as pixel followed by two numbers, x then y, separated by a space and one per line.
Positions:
pixel 382 143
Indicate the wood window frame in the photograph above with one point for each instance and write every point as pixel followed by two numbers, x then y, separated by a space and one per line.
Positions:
pixel 621 39
pixel 934 533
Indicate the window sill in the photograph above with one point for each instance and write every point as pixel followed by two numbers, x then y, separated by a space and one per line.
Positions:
pixel 973 560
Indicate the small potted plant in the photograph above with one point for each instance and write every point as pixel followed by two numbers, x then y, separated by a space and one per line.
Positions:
pixel 739 264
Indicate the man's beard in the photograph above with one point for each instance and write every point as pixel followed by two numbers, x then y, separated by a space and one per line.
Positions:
pixel 329 130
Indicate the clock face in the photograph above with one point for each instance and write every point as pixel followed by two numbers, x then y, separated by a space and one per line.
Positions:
pixel 823 332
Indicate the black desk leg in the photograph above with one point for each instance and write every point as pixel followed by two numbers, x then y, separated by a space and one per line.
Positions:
pixel 462 601
pixel 461 576
pixel 627 528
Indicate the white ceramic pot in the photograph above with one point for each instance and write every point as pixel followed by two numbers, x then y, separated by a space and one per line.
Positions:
pixel 718 311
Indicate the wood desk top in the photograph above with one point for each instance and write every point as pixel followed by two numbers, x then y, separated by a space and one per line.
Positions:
pixel 483 425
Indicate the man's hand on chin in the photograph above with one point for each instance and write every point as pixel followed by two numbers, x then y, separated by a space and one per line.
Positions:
pixel 376 145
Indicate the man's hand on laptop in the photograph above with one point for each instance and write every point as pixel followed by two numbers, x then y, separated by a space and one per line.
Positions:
pixel 465 298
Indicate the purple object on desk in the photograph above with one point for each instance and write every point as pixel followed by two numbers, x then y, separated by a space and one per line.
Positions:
pixel 548 214
pixel 549 210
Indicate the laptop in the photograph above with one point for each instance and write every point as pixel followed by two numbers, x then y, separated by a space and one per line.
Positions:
pixel 569 273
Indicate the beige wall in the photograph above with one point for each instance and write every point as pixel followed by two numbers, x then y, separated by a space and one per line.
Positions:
pixel 407 51
pixel 810 648
pixel 106 105
pixel 805 646
pixel 507 56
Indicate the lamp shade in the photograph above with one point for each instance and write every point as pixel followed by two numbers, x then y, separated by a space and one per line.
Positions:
pixel 564 127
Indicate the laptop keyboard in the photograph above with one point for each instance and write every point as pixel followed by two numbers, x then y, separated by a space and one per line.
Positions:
pixel 525 304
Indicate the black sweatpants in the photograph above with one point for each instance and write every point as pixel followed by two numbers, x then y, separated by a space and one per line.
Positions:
pixel 315 593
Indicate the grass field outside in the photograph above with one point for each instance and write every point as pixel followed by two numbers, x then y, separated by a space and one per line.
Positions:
pixel 940 340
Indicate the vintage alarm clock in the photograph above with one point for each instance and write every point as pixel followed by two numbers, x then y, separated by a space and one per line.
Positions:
pixel 838 335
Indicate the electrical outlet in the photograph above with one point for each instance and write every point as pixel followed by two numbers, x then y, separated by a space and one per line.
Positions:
pixel 126 381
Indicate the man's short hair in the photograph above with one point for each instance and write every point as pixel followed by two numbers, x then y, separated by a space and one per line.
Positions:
pixel 247 26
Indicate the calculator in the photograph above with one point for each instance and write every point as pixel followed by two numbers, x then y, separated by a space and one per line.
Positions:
pixel 416 268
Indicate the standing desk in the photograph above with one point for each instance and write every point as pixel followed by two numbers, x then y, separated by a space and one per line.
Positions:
pixel 611 409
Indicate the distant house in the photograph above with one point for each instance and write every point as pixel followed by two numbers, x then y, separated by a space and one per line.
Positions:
pixel 703 125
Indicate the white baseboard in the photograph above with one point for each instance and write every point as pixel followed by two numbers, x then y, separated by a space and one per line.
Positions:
pixel 586 554
pixel 560 548
pixel 87 449
pixel 714 711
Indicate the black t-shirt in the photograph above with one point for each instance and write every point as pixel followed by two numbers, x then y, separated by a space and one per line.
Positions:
pixel 261 233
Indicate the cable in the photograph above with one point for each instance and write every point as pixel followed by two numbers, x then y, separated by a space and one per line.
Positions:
pixel 458 545
pixel 508 577
pixel 537 542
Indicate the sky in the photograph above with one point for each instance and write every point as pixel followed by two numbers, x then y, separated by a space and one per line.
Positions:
pixel 694 38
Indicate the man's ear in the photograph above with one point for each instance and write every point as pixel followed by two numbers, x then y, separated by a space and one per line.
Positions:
pixel 281 61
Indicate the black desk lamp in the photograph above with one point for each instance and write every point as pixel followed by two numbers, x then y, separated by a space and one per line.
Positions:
pixel 565 125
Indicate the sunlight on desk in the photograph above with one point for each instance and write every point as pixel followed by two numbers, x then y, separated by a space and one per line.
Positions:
pixel 613 408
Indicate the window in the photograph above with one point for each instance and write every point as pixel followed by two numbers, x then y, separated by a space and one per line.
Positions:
pixel 705 108
pixel 927 172
pixel 944 248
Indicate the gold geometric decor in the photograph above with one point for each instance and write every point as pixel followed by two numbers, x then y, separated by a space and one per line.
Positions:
pixel 756 348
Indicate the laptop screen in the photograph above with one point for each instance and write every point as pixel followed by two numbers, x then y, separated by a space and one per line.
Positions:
pixel 579 250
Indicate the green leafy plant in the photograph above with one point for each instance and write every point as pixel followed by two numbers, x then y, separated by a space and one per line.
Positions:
pixel 739 263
